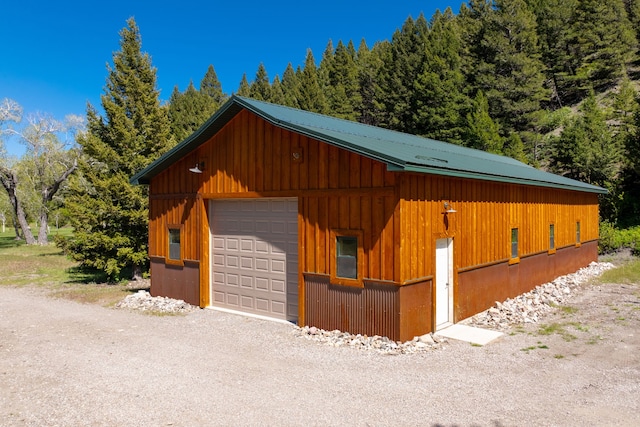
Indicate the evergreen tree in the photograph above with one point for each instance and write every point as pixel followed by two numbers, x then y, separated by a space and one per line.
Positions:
pixel 311 96
pixel 188 111
pixel 601 44
pixel 109 215
pixel 624 108
pixel 369 63
pixel 554 19
pixel 482 132
pixel 210 86
pixel 325 70
pixel 440 101
pixel 260 88
pixel 343 80
pixel 244 89
pixel 290 87
pixel 509 68
pixel 401 70
pixel 586 150
pixel 633 13
pixel 277 95
pixel 630 182
pixel 514 148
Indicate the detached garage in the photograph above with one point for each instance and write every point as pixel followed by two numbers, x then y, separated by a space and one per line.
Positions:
pixel 296 216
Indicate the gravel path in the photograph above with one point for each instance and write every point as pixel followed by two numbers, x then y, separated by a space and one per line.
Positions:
pixel 69 364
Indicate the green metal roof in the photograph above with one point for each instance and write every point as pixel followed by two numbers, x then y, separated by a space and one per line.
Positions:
pixel 400 151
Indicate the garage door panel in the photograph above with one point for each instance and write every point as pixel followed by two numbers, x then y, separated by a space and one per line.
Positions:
pixel 255 256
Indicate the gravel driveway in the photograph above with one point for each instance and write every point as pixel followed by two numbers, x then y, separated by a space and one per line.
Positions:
pixel 69 364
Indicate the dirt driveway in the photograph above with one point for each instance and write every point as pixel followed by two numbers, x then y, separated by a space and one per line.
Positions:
pixel 69 364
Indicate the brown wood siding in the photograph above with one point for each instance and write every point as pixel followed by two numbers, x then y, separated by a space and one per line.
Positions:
pixel 164 212
pixel 485 214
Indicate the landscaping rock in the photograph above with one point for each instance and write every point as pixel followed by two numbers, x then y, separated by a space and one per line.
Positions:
pixel 143 301
pixel 531 306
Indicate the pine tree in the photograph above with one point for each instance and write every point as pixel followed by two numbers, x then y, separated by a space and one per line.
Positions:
pixel 482 132
pixel 277 96
pixel 109 215
pixel 260 88
pixel 633 12
pixel 586 150
pixel 554 20
pixel 514 148
pixel 602 42
pixel 326 70
pixel 343 79
pixel 400 71
pixel 440 101
pixel 210 86
pixel 509 68
pixel 630 182
pixel 290 87
pixel 311 96
pixel 244 88
pixel 189 110
pixel 369 111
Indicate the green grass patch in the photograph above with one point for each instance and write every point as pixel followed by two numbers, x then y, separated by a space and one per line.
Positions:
pixel 558 356
pixel 627 273
pixel 566 309
pixel 48 268
pixel 557 328
pixel 540 346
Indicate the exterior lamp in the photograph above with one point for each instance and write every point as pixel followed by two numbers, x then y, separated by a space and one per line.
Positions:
pixel 448 208
pixel 197 168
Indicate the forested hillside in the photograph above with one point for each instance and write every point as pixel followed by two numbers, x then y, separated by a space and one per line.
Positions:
pixel 550 82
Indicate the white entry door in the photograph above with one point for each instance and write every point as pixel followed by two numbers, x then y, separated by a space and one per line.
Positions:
pixel 444 282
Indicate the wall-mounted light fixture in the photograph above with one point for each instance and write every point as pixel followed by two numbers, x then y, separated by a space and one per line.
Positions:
pixel 197 168
pixel 448 208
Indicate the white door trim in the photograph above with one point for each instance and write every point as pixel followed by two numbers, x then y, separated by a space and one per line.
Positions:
pixel 444 283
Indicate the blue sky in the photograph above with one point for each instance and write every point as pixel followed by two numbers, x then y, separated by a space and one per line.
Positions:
pixel 53 55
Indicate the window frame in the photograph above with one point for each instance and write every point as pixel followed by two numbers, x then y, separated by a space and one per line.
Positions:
pixel 514 259
pixel 552 238
pixel 180 229
pixel 578 234
pixel 333 258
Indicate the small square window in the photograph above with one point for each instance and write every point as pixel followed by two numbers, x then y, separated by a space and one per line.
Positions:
pixel 514 243
pixel 174 244
pixel 552 237
pixel 578 232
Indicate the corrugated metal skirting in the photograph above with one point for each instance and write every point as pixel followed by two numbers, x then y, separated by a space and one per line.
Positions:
pixel 372 310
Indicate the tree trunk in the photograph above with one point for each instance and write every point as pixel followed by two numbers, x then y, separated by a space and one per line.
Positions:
pixel 16 228
pixel 43 229
pixel 10 183
pixel 47 196
pixel 137 273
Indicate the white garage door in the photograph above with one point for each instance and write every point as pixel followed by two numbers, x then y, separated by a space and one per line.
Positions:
pixel 254 253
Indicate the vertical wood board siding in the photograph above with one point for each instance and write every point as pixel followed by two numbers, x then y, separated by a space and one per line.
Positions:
pixel 485 213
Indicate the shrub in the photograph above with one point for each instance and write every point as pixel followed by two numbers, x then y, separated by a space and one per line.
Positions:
pixel 613 239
